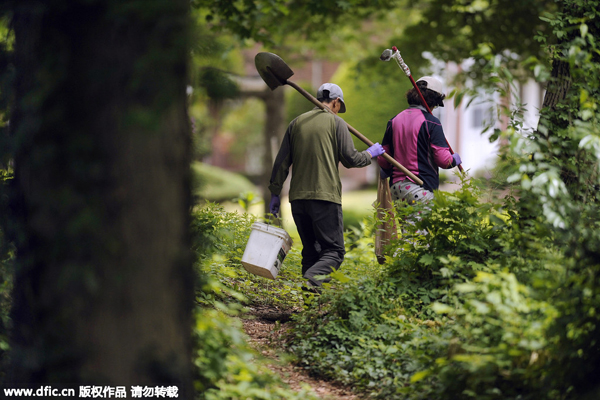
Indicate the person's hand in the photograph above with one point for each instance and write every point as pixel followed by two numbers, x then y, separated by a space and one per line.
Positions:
pixel 274 205
pixel 376 150
pixel 457 160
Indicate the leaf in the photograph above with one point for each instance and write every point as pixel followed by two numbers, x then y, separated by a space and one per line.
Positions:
pixel 339 276
pixel 481 307
pixel 458 98
pixel 583 28
pixel 441 308
pixel 537 71
pixel 475 247
pixel 513 178
pixel 465 287
pixel 427 259
pixel 420 375
pixel 583 96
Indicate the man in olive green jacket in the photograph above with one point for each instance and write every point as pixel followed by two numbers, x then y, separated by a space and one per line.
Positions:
pixel 314 144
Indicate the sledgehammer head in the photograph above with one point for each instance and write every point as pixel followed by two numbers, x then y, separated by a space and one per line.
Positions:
pixel 386 55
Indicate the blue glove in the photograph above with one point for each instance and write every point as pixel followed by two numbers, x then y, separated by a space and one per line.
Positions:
pixel 457 160
pixel 376 150
pixel 274 205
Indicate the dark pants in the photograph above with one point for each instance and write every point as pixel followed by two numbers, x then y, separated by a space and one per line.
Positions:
pixel 321 229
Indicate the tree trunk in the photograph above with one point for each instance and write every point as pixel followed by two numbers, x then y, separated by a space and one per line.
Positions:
pixel 101 197
pixel 559 85
pixel 274 125
pixel 274 129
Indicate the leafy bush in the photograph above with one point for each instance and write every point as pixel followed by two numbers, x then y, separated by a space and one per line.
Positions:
pixel 220 238
pixel 228 368
pixel 384 332
pixel 486 300
pixel 352 218
pixel 492 346
pixel 216 184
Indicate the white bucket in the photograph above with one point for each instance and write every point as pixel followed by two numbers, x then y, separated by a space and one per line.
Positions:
pixel 266 249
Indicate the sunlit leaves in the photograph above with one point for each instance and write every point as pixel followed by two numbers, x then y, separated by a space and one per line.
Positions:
pixel 269 21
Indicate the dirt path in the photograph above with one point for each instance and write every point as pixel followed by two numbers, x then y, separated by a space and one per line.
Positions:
pixel 262 328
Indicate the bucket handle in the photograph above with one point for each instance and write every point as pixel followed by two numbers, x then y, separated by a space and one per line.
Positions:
pixel 273 219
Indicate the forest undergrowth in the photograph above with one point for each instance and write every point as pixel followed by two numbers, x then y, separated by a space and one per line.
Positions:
pixel 470 303
pixel 481 298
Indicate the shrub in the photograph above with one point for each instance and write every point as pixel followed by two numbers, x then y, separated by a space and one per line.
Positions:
pixel 211 183
pixel 227 367
pixel 384 332
pixel 220 238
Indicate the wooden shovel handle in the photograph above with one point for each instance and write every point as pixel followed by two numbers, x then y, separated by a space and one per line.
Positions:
pixel 356 133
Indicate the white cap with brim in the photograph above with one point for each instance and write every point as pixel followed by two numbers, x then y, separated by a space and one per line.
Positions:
pixel 435 85
pixel 332 91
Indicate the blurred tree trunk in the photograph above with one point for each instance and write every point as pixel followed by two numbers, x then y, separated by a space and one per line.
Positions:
pixel 559 85
pixel 556 93
pixel 103 281
pixel 274 124
pixel 274 130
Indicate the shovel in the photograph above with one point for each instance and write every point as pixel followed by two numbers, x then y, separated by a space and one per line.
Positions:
pixel 275 72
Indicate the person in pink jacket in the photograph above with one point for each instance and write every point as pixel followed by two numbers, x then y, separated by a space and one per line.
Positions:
pixel 415 138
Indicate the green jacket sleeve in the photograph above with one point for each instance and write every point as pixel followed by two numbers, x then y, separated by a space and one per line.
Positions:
pixel 283 161
pixel 349 156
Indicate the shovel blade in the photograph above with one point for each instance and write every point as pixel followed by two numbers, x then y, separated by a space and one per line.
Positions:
pixel 272 69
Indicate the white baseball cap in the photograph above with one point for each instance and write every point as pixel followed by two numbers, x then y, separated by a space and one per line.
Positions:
pixel 433 84
pixel 334 92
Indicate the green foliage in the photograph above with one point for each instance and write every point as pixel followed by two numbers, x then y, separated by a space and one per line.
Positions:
pixel 217 84
pixel 492 346
pixel 564 176
pixel 220 238
pixel 248 199
pixel 296 104
pixel 372 99
pixel 348 338
pixel 455 30
pixel 228 368
pixel 243 126
pixel 7 73
pixel 216 184
pixel 215 231
pixel 459 237
pixel 263 20
pixel 352 218
pixel 489 300
pixel 379 331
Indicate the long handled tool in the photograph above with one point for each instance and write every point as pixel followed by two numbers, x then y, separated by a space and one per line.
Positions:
pixel 275 72
pixel 394 53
